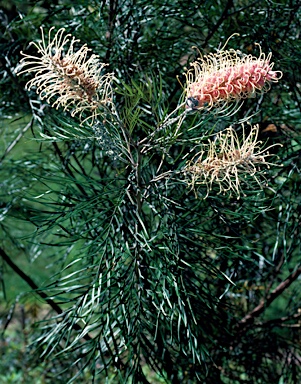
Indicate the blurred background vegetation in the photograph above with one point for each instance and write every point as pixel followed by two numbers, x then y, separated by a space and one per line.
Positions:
pixel 241 258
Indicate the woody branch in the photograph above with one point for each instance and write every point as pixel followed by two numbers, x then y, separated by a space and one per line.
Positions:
pixel 265 302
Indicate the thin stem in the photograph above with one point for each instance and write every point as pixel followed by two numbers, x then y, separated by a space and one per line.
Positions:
pixel 17 139
pixel 36 289
pixel 264 303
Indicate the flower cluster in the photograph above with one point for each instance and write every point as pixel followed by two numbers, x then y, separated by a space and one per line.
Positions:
pixel 219 78
pixel 70 78
pixel 224 160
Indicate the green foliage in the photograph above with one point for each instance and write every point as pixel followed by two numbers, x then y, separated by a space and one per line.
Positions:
pixel 142 279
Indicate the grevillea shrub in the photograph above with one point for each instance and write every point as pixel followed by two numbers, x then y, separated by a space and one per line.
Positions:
pixel 155 221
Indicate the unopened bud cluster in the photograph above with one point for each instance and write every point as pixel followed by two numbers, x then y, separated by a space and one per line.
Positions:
pixel 219 78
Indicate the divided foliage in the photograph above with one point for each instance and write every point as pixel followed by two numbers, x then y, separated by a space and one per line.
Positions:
pixel 132 276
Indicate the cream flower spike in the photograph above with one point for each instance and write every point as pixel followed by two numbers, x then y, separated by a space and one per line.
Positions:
pixel 226 163
pixel 67 78
pixel 219 78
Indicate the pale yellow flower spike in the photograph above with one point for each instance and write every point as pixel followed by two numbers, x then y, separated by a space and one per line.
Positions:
pixel 226 162
pixel 67 78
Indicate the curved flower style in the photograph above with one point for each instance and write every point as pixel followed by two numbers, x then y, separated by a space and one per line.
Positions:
pixel 219 78
pixel 224 160
pixel 76 83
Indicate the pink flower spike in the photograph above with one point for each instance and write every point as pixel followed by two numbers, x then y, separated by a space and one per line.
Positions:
pixel 219 78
